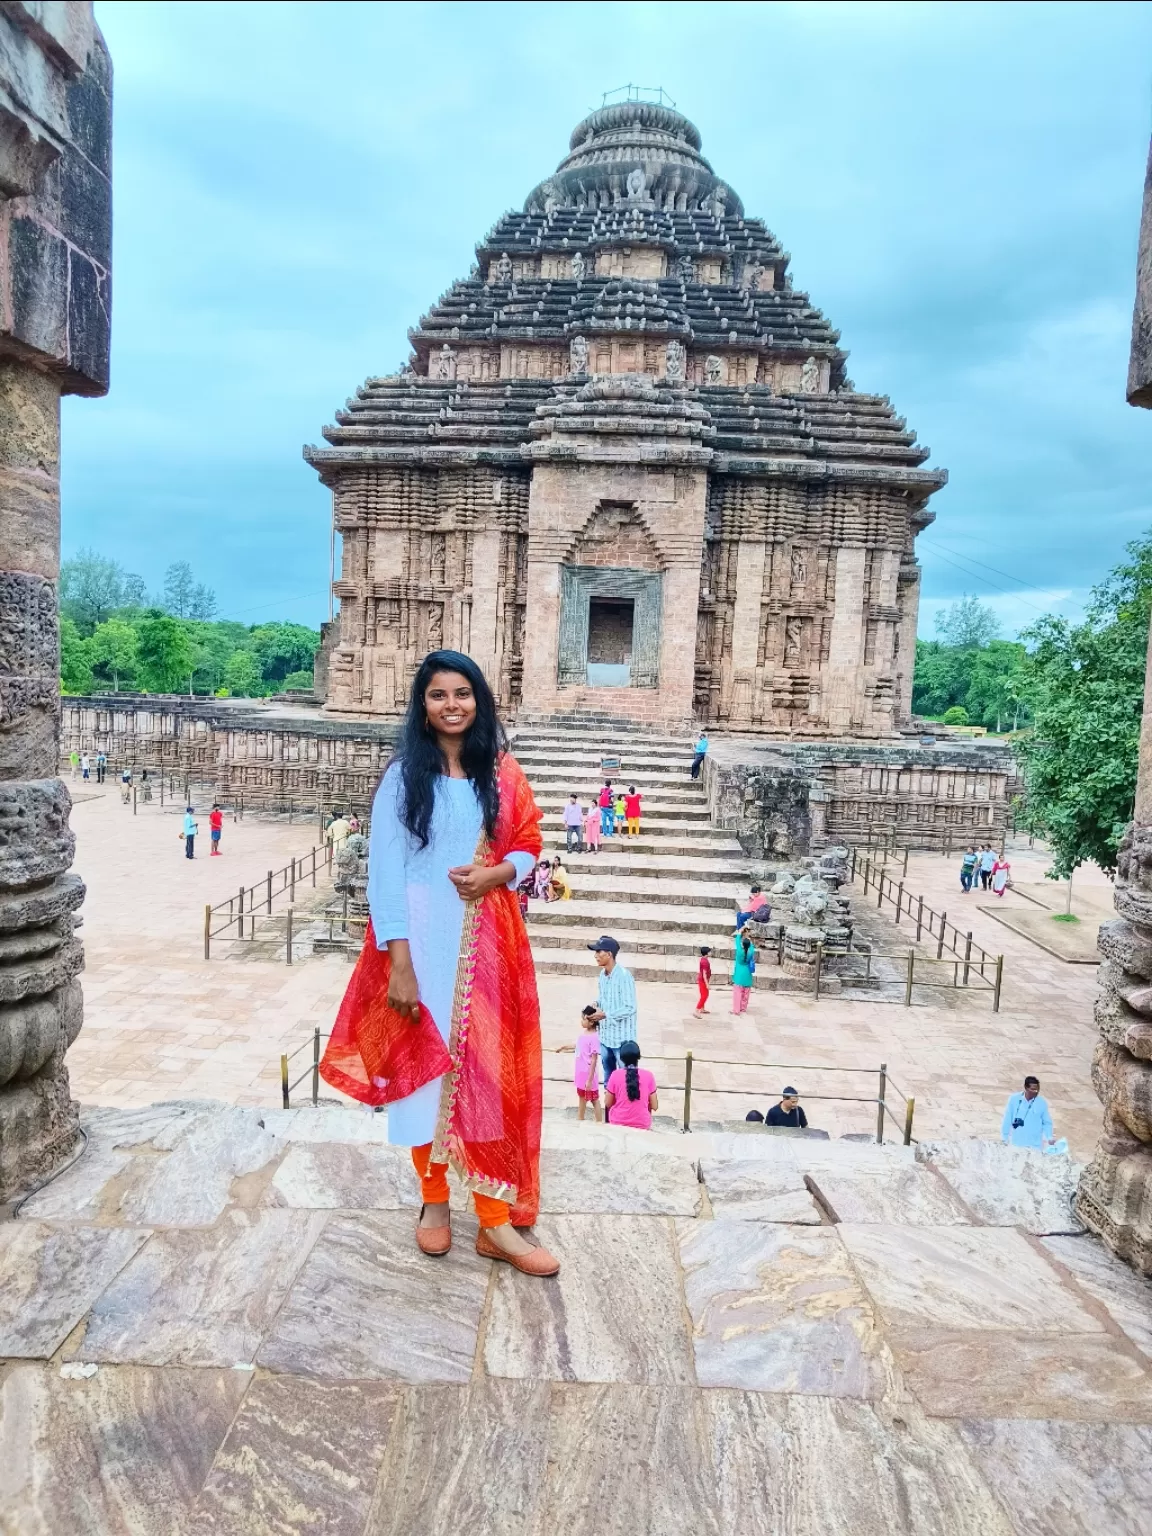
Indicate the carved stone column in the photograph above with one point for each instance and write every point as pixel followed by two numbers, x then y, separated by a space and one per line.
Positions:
pixel 1115 1194
pixel 55 242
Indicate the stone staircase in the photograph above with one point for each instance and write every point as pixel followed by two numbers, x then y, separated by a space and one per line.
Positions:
pixel 663 894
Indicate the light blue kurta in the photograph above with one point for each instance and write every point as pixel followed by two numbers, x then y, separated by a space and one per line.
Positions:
pixel 1037 1118
pixel 411 897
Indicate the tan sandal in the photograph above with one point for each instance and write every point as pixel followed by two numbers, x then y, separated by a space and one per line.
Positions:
pixel 539 1262
pixel 433 1241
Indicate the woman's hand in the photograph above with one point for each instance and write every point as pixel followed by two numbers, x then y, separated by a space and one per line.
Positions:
pixel 475 880
pixel 403 988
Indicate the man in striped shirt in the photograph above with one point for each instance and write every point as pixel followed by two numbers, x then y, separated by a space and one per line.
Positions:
pixel 616 1002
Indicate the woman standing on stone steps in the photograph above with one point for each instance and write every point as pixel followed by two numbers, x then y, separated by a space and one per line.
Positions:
pixel 441 1020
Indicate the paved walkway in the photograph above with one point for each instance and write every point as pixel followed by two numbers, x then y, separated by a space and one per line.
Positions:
pixel 162 1023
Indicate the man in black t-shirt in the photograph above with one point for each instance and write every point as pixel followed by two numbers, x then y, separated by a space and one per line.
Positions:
pixel 788 1111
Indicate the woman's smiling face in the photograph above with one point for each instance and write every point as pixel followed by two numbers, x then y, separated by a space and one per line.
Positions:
pixel 449 704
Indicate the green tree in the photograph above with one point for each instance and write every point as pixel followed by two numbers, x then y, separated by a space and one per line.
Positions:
pixel 1085 683
pixel 967 624
pixel 957 715
pixel 284 648
pixel 75 658
pixel 114 646
pixel 91 588
pixel 165 653
pixel 297 681
pixel 242 676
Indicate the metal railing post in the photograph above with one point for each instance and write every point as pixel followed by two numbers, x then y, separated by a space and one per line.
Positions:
pixel 996 985
pixel 867 865
pixel 688 1091
pixel 880 1101
pixel 943 930
pixel 269 890
pixel 289 955
pixel 967 954
pixel 284 1082
pixel 780 946
pixel 819 968
pixel 909 1111
pixel 880 891
pixel 315 1068
pixel 905 871
pixel 207 933
pixel 911 974
pixel 852 876
pixel 313 867
pixel 344 914
pixel 133 799
pixel 292 883
pixel 899 901
pixel 240 918
pixel 919 918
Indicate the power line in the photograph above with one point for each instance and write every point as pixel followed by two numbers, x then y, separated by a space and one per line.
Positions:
pixel 973 561
pixel 1006 590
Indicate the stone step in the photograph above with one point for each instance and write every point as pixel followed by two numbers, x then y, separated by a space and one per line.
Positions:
pixel 679 969
pixel 656 840
pixel 602 729
pixel 631 762
pixel 636 942
pixel 658 810
pixel 642 917
pixel 615 890
pixel 614 861
pixel 668 787
pixel 662 827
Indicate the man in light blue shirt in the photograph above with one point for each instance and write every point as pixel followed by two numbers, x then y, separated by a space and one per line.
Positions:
pixel 616 1002
pixel 190 830
pixel 987 865
pixel 1027 1119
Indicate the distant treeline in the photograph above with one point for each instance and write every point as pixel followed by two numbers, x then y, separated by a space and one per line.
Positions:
pixel 114 635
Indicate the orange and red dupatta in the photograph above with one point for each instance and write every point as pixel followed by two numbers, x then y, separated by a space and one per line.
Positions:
pixel 491 1098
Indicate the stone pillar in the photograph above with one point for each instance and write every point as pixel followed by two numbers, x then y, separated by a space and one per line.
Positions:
pixel 846 651
pixel 55 245
pixel 1115 1194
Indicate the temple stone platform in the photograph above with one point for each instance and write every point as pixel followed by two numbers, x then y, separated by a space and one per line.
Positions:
pixel 218 1321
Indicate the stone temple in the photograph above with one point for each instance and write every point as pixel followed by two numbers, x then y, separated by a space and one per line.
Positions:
pixel 625 470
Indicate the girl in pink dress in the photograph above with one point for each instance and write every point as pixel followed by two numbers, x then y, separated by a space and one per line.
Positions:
pixel 630 1092
pixel 585 1072
pixel 592 829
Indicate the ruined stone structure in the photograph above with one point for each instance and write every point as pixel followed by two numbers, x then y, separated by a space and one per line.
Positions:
pixel 55 254
pixel 625 470
pixel 1115 1195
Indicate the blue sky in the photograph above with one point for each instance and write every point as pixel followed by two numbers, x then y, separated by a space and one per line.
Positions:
pixel 959 186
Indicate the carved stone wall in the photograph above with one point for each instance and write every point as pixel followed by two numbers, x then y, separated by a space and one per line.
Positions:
pixel 55 251
pixel 431 557
pixel 796 798
pixel 807 609
pixel 1115 1194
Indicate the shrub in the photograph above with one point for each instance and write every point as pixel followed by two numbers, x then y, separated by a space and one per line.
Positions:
pixel 957 715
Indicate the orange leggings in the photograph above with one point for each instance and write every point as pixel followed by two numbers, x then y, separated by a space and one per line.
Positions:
pixel 434 1189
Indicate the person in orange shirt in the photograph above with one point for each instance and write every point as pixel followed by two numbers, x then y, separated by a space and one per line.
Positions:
pixel 632 811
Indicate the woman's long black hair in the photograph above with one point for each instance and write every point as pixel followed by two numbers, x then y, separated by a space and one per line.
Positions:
pixel 629 1054
pixel 422 761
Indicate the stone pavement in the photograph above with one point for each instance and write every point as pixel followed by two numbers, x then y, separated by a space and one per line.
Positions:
pixel 218 1321
pixel 162 1022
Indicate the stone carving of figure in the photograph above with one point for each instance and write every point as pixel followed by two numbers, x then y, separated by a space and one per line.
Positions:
pixel 810 376
pixel 674 359
pixel 578 355
pixel 446 362
pixel 686 267
pixel 753 272
pixel 712 369
pixel 799 567
pixel 408 372
pixel 635 183
pixel 793 636
pixel 504 268
pixel 579 267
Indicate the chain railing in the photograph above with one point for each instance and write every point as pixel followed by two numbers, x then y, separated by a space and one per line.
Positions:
pixel 972 964
pixel 905 1110
pixel 236 918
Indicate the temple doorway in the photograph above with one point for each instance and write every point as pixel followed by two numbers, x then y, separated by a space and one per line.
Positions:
pixel 610 622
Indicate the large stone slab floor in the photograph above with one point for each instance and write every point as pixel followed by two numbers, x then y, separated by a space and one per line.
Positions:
pixel 715 1357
